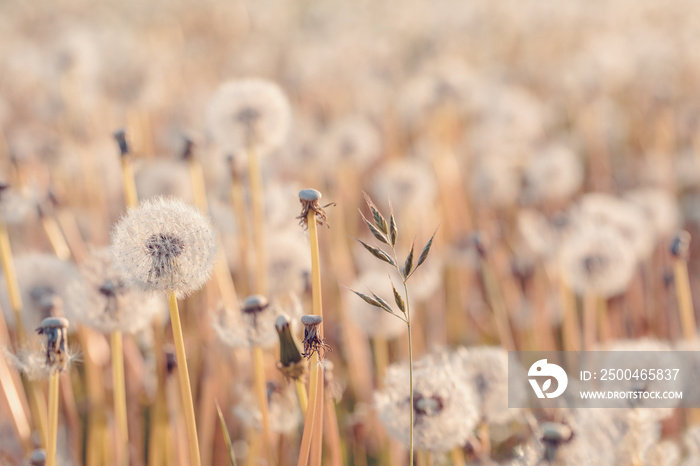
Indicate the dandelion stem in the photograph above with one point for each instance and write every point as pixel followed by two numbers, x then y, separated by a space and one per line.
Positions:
pixel 313 422
pixel 11 278
pixel 301 394
pixel 261 392
pixel 305 449
pixel 130 195
pixel 239 208
pixel 53 418
pixel 184 378
pixel 120 394
pixel 685 303
pixel 256 192
pixel 381 357
pixel 317 310
pixel 15 404
pixel 333 433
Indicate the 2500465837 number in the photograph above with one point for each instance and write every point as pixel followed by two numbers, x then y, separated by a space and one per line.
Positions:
pixel 639 374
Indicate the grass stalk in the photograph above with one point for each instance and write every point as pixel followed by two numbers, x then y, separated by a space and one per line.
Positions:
pixel 258 210
pixel 184 380
pixel 685 302
pixel 53 418
pixel 120 395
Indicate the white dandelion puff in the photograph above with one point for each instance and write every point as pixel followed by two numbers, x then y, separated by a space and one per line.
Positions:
pixel 164 245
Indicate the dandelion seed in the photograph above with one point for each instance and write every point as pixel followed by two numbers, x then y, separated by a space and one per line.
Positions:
pixel 554 174
pixel 660 208
pixel 105 303
pixel 408 184
pixel 313 343
pixel 164 245
pixel 444 406
pixel 248 114
pixel 352 141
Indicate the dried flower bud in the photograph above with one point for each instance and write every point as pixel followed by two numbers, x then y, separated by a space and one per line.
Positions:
pixel 680 245
pixel 291 363
pixel 120 136
pixel 313 343
pixel 55 330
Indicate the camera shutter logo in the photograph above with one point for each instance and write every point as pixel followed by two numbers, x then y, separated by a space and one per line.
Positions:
pixel 542 368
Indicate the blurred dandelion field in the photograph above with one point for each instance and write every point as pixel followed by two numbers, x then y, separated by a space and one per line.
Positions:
pixel 278 233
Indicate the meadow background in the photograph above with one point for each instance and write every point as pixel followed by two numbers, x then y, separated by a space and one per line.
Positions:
pixel 555 147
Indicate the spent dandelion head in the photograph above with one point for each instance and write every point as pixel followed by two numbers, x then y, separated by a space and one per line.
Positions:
pixel 164 245
pixel 554 435
pixel 55 330
pixel 680 245
pixel 309 199
pixel 37 457
pixel 313 343
pixel 108 304
pixel 248 114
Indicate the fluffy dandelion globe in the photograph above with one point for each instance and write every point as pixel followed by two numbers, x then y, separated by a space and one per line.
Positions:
pixel 248 114
pixel 108 305
pixel 164 245
pixel 445 407
pixel 44 283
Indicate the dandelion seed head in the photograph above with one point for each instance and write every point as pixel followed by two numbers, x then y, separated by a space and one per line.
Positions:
pixel 288 264
pixel 371 320
pixel 596 260
pixel 48 286
pixel 622 215
pixel 107 304
pixel 486 369
pixel 284 413
pixel 660 208
pixel 555 173
pixel 15 205
pixel 353 141
pixel 408 184
pixel 164 178
pixel 164 245
pixel 444 406
pixel 254 325
pixel 248 114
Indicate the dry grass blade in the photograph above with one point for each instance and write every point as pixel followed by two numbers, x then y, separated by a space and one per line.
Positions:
pixel 227 436
pixel 375 231
pixel 378 253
